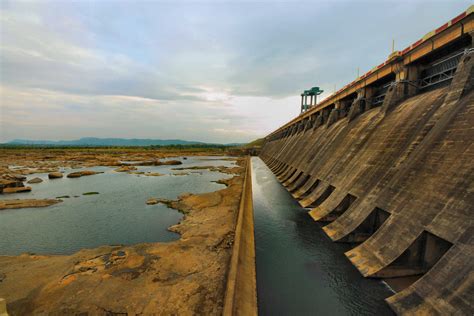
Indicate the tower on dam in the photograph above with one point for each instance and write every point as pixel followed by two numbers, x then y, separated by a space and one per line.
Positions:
pixel 386 164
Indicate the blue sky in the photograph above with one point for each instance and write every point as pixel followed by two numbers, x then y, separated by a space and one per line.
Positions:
pixel 217 71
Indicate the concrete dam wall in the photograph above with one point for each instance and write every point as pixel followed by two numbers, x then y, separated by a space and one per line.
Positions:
pixel 395 177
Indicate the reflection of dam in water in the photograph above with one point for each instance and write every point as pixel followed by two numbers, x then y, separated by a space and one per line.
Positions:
pixel 299 270
pixel 386 166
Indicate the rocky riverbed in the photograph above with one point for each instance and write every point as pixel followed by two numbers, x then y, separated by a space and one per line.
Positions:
pixel 186 276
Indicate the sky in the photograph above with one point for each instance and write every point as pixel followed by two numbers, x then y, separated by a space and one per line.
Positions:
pixel 213 71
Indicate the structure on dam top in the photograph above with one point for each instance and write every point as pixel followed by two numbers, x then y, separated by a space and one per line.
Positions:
pixel 387 164
pixel 313 94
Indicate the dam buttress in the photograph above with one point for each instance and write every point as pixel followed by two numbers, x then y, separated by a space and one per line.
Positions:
pixel 387 164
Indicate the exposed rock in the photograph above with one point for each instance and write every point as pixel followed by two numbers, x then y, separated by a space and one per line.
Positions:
pixel 167 202
pixel 158 163
pixel 63 197
pixel 90 172
pixel 74 175
pixel 79 174
pixel 180 173
pixel 125 169
pixel 14 177
pixel 6 183
pixel 10 204
pixel 154 174
pixel 35 180
pixel 171 162
pixel 55 175
pixel 90 193
pixel 17 190
pixel 152 201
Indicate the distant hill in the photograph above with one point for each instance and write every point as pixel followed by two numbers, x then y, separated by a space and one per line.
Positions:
pixel 93 141
pixel 256 143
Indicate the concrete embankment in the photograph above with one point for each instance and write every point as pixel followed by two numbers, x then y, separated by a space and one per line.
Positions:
pixel 241 292
pixel 396 181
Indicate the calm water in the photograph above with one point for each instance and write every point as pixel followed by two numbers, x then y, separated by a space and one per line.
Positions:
pixel 300 271
pixel 117 215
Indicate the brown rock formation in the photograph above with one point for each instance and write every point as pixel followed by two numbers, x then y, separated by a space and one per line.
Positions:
pixel 10 204
pixel 55 175
pixel 35 180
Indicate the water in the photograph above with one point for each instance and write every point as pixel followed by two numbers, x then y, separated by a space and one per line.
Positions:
pixel 117 215
pixel 300 271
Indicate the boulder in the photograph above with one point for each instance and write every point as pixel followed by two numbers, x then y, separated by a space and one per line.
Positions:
pixel 55 175
pixel 35 180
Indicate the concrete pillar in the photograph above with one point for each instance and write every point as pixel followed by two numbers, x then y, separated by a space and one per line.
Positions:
pixel 359 105
pixel 413 74
pixel 333 117
pixel 397 92
pixel 369 93
pixel 319 121
pixel 302 102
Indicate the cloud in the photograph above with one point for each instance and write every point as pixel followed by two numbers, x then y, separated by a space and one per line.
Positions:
pixel 209 70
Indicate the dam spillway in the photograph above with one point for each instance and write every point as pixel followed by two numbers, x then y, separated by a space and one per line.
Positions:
pixel 386 165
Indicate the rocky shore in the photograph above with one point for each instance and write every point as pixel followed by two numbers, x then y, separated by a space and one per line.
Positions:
pixel 182 277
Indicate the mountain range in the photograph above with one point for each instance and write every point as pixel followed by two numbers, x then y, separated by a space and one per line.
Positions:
pixel 93 141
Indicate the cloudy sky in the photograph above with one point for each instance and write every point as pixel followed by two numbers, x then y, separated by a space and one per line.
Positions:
pixel 216 71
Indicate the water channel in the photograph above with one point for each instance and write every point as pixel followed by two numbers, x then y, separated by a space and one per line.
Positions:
pixel 300 271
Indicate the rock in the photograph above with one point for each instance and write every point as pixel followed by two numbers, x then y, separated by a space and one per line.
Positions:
pixel 6 183
pixel 158 163
pixel 89 172
pixel 14 177
pixel 35 180
pixel 79 174
pixel 125 169
pixel 63 197
pixel 151 201
pixel 180 173
pixel 74 175
pixel 55 175
pixel 171 162
pixel 17 190
pixel 90 193
pixel 154 174
pixel 11 204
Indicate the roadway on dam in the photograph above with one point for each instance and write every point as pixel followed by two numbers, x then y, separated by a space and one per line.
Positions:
pixel 300 271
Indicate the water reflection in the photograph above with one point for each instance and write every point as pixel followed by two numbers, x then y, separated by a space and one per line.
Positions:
pixel 117 215
pixel 300 271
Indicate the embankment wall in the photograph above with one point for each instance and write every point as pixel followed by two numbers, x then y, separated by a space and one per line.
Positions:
pixel 241 291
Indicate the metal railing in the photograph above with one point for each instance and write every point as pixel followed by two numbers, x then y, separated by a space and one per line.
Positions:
pixel 442 70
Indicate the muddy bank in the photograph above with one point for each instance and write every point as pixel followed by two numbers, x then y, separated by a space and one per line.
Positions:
pixel 186 276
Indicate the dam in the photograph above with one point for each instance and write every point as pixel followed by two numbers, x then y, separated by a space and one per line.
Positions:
pixel 385 166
